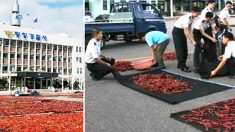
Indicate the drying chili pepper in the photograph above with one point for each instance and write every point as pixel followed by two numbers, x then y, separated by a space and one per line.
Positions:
pixel 161 83
pixel 72 122
pixel 170 56
pixel 219 117
pixel 123 66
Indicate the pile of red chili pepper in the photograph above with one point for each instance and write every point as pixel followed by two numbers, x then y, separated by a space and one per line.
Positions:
pixel 38 114
pixel 216 117
pixel 161 83
pixel 170 56
pixel 123 66
pixel 43 123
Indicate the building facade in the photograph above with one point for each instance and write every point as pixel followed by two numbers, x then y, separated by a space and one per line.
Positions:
pixel 42 58
pixel 167 7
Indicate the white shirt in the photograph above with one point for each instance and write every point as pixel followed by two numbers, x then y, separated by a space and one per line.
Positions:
pixel 224 14
pixel 184 21
pixel 201 24
pixel 92 51
pixel 203 13
pixel 230 50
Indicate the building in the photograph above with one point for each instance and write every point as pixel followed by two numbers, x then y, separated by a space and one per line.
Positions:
pixel 167 7
pixel 33 59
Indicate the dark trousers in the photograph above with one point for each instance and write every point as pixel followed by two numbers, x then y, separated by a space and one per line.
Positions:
pixel 98 70
pixel 181 48
pixel 207 50
pixel 228 69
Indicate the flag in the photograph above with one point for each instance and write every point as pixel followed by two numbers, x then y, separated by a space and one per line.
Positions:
pixel 35 20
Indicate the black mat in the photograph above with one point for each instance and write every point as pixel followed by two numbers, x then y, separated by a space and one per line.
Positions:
pixel 213 118
pixel 199 88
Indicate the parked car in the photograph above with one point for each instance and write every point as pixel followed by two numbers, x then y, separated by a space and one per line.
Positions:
pixel 102 18
pixel 88 17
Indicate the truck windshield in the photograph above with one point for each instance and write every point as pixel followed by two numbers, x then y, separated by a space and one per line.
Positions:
pixel 149 9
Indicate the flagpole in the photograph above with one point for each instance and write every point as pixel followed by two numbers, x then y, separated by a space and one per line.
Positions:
pixel 29 20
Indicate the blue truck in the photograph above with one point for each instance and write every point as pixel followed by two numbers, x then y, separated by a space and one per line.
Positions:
pixel 130 20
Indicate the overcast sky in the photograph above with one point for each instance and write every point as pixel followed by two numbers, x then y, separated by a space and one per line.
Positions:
pixel 54 16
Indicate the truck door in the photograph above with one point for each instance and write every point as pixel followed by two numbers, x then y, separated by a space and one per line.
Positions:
pixel 147 18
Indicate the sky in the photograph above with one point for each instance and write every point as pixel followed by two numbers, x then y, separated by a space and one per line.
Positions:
pixel 54 16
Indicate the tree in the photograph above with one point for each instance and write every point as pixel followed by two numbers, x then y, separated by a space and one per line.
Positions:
pixel 66 83
pixel 57 83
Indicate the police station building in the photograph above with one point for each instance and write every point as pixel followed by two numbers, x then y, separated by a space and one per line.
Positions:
pixel 30 58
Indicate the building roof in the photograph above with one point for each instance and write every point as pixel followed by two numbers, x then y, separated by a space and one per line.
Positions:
pixel 35 35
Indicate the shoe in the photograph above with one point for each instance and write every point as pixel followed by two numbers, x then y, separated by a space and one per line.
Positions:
pixel 185 69
pixel 155 65
pixel 231 76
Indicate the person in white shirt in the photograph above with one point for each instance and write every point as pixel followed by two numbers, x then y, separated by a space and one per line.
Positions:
pixel 224 16
pixel 228 59
pixel 207 50
pixel 209 8
pixel 97 64
pixel 181 32
pixel 226 64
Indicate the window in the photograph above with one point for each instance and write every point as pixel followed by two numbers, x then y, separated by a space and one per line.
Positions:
pixel 32 45
pixel 0 42
pixel 80 59
pixel 54 58
pixel 12 68
pixel 19 43
pixel 65 48
pixel 77 70
pixel 60 58
pixel 60 70
pixel 60 48
pixel 70 48
pixel 80 70
pixel 25 57
pixel 43 57
pixel 44 46
pixel 4 69
pixel 31 57
pixel 105 4
pixel 37 68
pixel 13 43
pixel 65 71
pixel 49 58
pixel 38 45
pixel 48 69
pixel 49 46
pixel 69 59
pixel 6 42
pixel 76 49
pixel 149 9
pixel 76 58
pixel 70 71
pixel 44 68
pixel 26 44
pixel 19 56
pixel 54 69
pixel 55 47
pixel 65 59
pixel 5 55
pixel 12 56
pixel 80 49
pixel 38 57
pixel 18 68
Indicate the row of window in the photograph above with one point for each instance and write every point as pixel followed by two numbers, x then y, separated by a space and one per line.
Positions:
pixel 38 45
pixel 65 70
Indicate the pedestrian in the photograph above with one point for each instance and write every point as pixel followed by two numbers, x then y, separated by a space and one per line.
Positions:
pixel 206 50
pixel 181 32
pixel 228 59
pixel 97 64
pixel 157 41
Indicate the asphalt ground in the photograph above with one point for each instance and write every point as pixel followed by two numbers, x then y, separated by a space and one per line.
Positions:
pixel 111 107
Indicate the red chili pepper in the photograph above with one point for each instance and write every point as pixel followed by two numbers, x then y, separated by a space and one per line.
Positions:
pixel 123 66
pixel 161 84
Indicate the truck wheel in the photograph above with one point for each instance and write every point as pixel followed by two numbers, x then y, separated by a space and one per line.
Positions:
pixel 128 39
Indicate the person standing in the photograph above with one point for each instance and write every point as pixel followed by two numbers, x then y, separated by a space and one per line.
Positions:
pixel 157 41
pixel 97 64
pixel 181 32
pixel 224 17
pixel 209 8
pixel 207 50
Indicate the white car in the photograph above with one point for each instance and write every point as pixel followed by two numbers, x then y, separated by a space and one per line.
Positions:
pixel 88 17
